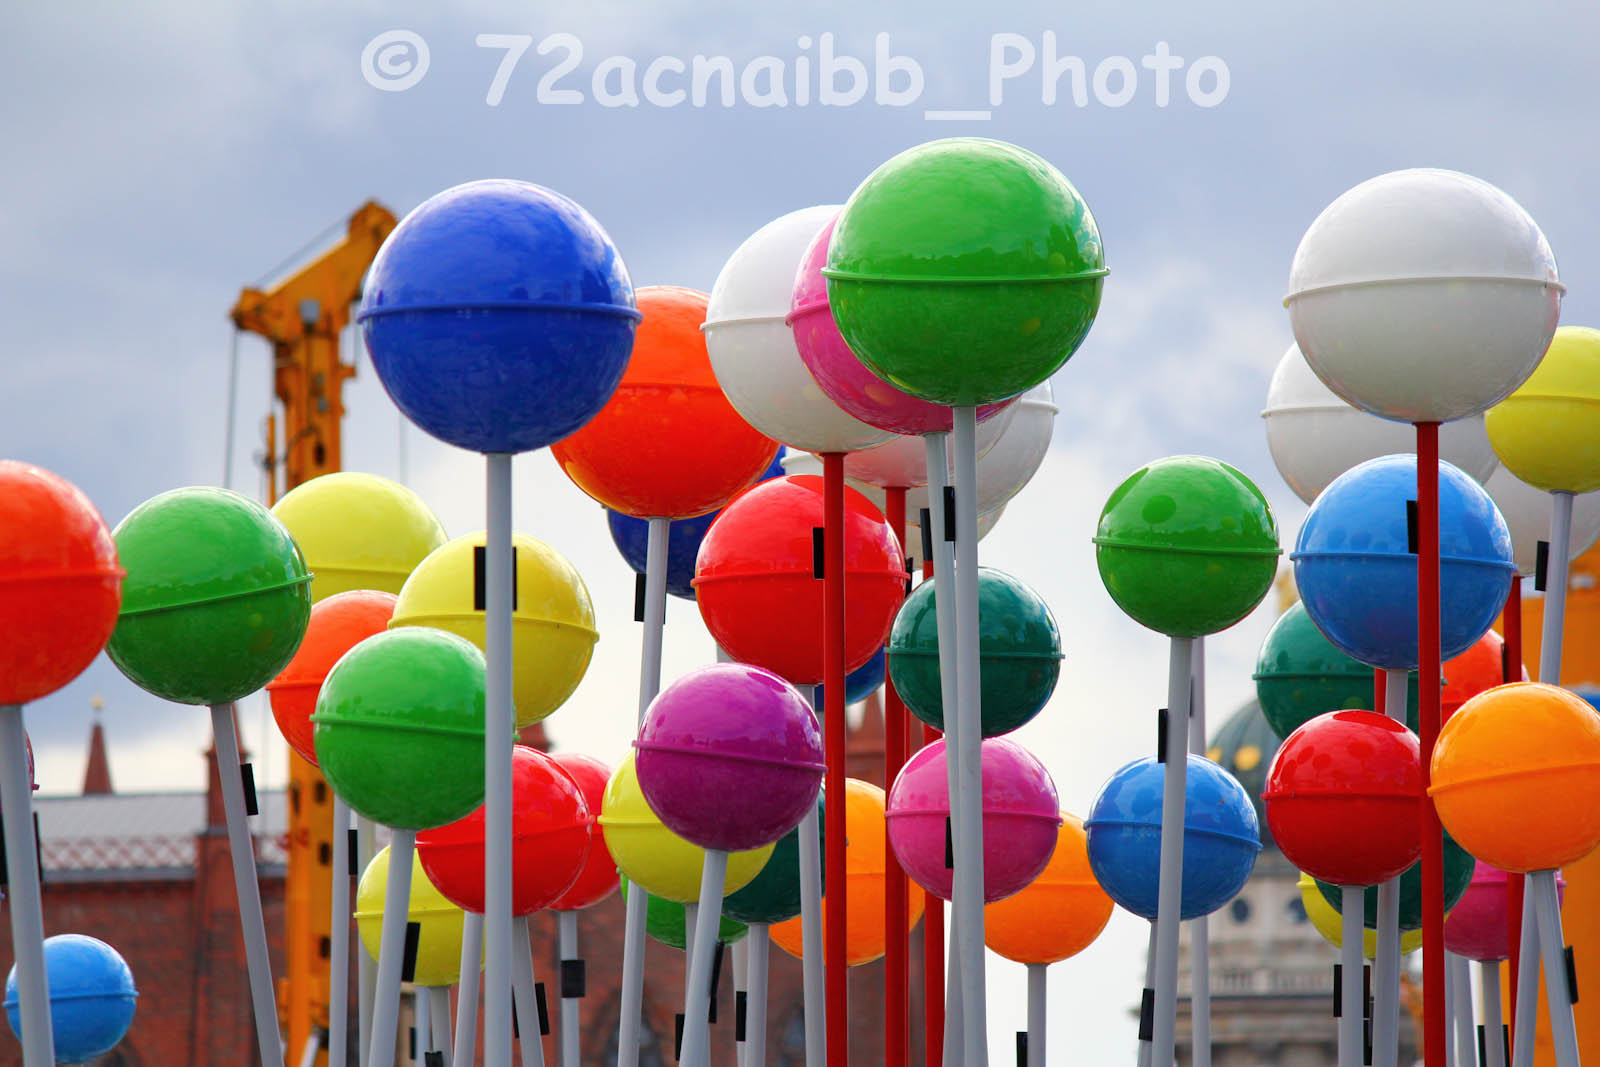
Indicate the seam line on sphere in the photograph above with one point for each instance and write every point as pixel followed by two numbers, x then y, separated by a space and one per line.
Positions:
pixel 177 605
pixel 619 310
pixel 1107 542
pixel 1362 283
pixel 736 757
pixel 960 279
pixel 1494 776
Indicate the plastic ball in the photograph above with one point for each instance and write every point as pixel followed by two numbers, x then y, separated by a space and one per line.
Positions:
pixel 1527 512
pixel 337 625
pixel 440 922
pixel 865 881
pixel 1476 927
pixel 665 921
pixel 92 997
pixel 399 728
pixel 499 316
pixel 1013 459
pixel 1059 913
pixel 598 878
pixel 1314 436
pixel 1019 653
pixel 845 379
pixel 860 683
pixel 216 599
pixel 1327 921
pixel 1187 546
pixel 358 531
pixel 965 271
pixel 753 349
pixel 1300 674
pixel 1479 668
pixel 552 619
pixel 550 840
pixel 630 456
pixel 60 583
pixel 729 756
pixel 1457 876
pixel 1342 798
pixel 658 860
pixel 758 592
pixel 774 895
pixel 1357 574
pixel 1021 818
pixel 1221 837
pixel 1547 433
pixel 1507 768
pixel 1423 295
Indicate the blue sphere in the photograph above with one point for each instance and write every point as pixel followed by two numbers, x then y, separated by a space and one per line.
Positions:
pixel 1358 577
pixel 1220 837
pixel 499 316
pixel 632 538
pixel 862 682
pixel 92 997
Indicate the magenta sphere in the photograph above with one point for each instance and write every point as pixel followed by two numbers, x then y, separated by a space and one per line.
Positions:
pixel 730 757
pixel 842 376
pixel 1021 818
pixel 1476 926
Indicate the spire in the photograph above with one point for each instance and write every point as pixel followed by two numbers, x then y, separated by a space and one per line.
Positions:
pixel 97 773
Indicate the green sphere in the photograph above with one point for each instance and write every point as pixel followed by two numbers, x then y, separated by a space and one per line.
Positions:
pixel 1187 546
pixel 1019 652
pixel 774 895
pixel 965 271
pixel 1300 674
pixel 399 727
pixel 664 920
pixel 216 599
pixel 1458 867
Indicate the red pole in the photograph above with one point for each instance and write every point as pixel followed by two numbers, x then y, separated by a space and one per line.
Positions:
pixel 1380 695
pixel 1435 1032
pixel 932 939
pixel 896 898
pixel 833 672
pixel 1514 882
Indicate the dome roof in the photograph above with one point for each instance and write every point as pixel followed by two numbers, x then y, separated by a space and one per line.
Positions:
pixel 1244 745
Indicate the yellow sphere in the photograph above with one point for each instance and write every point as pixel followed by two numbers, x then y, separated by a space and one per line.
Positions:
pixel 1547 433
pixel 552 623
pixel 439 941
pixel 1326 920
pixel 358 531
pixel 648 853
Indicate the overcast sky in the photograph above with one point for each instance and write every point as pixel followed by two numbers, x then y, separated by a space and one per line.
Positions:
pixel 160 156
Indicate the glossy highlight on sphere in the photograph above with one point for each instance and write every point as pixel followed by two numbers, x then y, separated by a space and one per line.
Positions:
pixel 1019 653
pixel 337 625
pixel 60 582
pixel 216 599
pixel 1343 798
pixel 730 757
pixel 358 531
pixel 598 878
pixel 1059 913
pixel 399 728
pixel 964 271
pixel 1221 837
pixel 1547 433
pixel 499 316
pixel 1511 773
pixel 1187 546
pixel 1358 578
pixel 634 456
pixel 441 922
pixel 92 997
pixel 1300 674
pixel 758 592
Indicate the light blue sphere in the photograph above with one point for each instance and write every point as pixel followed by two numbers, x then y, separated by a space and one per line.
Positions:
pixel 92 997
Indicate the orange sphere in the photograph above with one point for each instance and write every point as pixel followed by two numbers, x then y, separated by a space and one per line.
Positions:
pixel 1515 772
pixel 866 937
pixel 667 444
pixel 1478 668
pixel 1059 914
pixel 338 623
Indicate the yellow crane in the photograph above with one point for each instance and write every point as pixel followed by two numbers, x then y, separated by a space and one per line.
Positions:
pixel 304 315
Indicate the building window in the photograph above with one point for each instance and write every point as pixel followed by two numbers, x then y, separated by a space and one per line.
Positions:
pixel 1297 910
pixel 1239 909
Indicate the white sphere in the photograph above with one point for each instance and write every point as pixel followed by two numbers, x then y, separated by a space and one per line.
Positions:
pixel 1423 295
pixel 752 348
pixel 1527 512
pixel 903 460
pixel 1315 437
pixel 1008 466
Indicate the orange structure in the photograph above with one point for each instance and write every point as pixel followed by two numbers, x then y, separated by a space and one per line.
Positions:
pixel 304 315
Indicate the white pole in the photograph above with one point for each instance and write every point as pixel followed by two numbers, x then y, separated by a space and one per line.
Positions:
pixel 1494 1049
pixel 567 939
pixel 1559 564
pixel 1350 966
pixel 697 992
pixel 242 848
pixel 366 966
pixel 421 1020
pixel 339 939
pixel 1461 1008
pixel 741 992
pixel 813 977
pixel 465 1051
pixel 1169 890
pixel 655 617
pixel 955 1036
pixel 499 722
pixel 1527 987
pixel 1199 928
pixel 25 904
pixel 1552 948
pixel 1147 993
pixel 391 947
pixel 1037 1014
pixel 755 1037
pixel 439 1020
pixel 1386 964
pixel 531 1040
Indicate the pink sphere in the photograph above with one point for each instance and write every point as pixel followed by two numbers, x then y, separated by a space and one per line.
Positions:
pixel 842 376
pixel 1021 818
pixel 1477 927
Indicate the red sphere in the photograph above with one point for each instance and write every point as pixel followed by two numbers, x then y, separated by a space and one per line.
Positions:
pixel 338 624
pixel 550 840
pixel 598 879
pixel 1478 668
pixel 1343 798
pixel 758 592
pixel 60 585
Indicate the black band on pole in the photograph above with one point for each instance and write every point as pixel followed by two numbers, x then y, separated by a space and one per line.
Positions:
pixel 351 859
pixel 677 1036
pixel 1366 990
pixel 516 1029
pixel 1147 1014
pixel 1366 1040
pixel 1022 1048
pixel 1338 991
pixel 949 846
pixel 1572 974
pixel 413 1040
pixel 925 528
pixel 574 980
pixel 1483 1052
pixel 950 513
pixel 433 1059
pixel 5 873
pixel 544 1009
pixel 741 1006
pixel 480 578
pixel 38 849
pixel 408 962
pixel 909 573
pixel 1505 1040
pixel 638 597
pixel 1411 527
pixel 248 776
pixel 1161 735
pixel 1541 566
pixel 819 553
pixel 716 979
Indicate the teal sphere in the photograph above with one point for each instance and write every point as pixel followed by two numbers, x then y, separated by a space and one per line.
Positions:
pixel 1300 674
